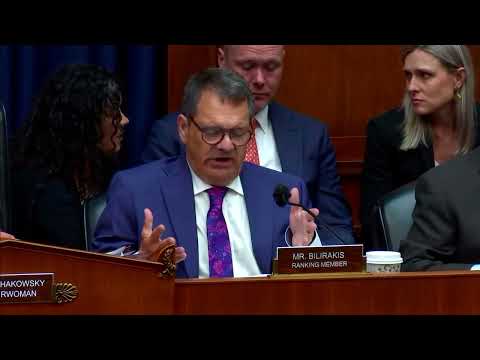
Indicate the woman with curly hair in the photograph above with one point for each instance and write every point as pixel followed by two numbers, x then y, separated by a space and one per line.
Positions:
pixel 67 154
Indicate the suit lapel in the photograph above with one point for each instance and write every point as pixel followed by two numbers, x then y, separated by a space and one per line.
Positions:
pixel 287 137
pixel 178 192
pixel 258 199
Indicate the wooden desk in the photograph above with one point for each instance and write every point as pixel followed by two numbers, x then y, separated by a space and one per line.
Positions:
pixel 107 285
pixel 113 285
pixel 350 294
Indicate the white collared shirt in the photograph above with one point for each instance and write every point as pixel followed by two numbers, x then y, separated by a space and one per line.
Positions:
pixel 267 148
pixel 236 217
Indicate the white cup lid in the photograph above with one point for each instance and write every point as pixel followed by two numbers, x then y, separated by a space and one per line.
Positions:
pixel 384 257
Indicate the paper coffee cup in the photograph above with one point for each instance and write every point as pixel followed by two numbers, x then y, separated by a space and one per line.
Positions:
pixel 384 261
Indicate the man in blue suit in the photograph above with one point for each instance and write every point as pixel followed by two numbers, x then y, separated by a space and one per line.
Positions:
pixel 284 140
pixel 217 208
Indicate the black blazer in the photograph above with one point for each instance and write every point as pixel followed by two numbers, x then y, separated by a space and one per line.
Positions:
pixel 46 210
pixel 386 168
pixel 446 226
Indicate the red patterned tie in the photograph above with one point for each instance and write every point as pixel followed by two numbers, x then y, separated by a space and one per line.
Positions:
pixel 252 151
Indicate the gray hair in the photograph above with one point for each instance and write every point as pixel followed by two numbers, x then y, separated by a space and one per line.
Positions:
pixel 416 130
pixel 223 82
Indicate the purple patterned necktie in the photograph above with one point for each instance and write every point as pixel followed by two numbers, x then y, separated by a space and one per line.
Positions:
pixel 219 251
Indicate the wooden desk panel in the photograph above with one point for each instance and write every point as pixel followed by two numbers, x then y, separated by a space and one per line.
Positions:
pixel 113 285
pixel 354 294
pixel 107 285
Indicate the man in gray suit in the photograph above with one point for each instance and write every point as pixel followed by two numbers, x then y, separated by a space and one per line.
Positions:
pixel 445 234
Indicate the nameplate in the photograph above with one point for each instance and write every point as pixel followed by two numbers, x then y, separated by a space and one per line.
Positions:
pixel 27 288
pixel 325 259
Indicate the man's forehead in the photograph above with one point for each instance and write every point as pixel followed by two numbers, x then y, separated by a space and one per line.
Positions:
pixel 212 105
pixel 255 51
pixel 228 110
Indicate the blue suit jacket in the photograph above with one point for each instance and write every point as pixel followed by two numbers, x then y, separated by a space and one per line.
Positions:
pixel 165 187
pixel 304 149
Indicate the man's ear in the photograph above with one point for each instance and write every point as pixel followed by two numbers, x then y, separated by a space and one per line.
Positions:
pixel 182 128
pixel 221 57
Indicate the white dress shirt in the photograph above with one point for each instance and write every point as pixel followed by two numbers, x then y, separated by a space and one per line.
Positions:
pixel 267 148
pixel 235 213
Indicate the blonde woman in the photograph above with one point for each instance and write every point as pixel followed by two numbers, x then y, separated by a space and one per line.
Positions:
pixel 437 122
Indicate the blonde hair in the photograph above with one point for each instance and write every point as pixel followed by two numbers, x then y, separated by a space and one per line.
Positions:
pixel 415 129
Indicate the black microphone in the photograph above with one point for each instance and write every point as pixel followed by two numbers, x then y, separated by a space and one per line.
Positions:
pixel 281 195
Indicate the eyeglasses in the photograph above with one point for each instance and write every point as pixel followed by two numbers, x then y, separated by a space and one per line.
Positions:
pixel 215 135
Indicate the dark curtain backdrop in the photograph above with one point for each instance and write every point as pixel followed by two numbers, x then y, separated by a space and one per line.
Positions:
pixel 140 69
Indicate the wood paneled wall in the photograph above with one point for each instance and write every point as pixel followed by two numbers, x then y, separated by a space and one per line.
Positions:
pixel 342 85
